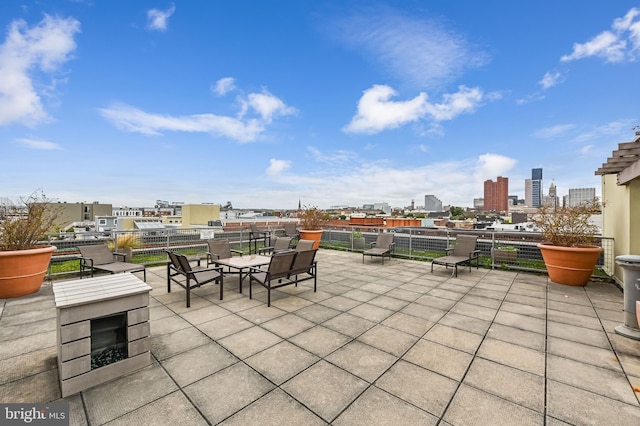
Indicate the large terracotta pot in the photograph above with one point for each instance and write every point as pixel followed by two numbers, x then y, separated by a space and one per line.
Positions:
pixel 316 235
pixel 22 271
pixel 570 265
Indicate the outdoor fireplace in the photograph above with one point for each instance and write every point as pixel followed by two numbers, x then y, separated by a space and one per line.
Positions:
pixel 108 340
pixel 103 329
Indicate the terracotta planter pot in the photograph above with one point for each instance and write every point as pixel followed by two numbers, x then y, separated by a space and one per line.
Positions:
pixel 570 265
pixel 22 271
pixel 306 234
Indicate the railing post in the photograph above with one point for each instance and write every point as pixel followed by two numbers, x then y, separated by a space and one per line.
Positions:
pixel 410 243
pixel 493 244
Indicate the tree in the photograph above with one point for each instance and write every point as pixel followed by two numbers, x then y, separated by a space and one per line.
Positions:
pixel 456 212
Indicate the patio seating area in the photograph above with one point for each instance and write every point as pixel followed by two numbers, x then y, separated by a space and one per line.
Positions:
pixel 392 344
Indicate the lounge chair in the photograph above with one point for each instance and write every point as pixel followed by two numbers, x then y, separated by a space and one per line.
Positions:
pixel 98 257
pixel 383 246
pixel 463 252
pixel 179 266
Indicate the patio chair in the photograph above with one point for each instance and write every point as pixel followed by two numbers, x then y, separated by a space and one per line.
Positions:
pixel 305 264
pixel 179 266
pixel 276 275
pixel 98 257
pixel 291 230
pixel 383 246
pixel 220 249
pixel 280 244
pixel 304 245
pixel 463 252
pixel 256 235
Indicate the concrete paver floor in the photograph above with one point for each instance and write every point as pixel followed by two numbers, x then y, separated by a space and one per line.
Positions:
pixel 376 344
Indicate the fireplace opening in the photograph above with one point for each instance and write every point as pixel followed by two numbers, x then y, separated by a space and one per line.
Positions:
pixel 108 340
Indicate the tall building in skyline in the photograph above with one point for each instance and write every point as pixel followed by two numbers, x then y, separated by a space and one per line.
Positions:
pixel 551 199
pixel 432 203
pixel 527 193
pixel 536 187
pixel 496 194
pixel 579 196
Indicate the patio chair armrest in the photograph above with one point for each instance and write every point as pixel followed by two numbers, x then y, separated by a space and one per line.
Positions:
pixel 448 250
pixel 210 256
pixel 253 269
pixel 85 260
pixel 120 255
pixel 236 252
pixel 218 269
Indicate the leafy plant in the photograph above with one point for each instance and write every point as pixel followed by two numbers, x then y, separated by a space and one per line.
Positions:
pixel 22 226
pixel 312 219
pixel 356 234
pixel 123 241
pixel 568 226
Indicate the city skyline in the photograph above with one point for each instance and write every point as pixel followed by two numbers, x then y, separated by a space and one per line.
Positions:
pixel 327 102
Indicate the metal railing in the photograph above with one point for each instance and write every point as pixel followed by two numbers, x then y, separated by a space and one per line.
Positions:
pixel 498 249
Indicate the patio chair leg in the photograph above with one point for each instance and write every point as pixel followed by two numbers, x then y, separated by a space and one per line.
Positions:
pixel 188 293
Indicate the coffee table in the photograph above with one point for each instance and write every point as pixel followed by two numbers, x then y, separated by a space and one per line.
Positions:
pixel 243 262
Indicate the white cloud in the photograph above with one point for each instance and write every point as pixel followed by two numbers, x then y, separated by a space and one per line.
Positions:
pixel 396 185
pixel 267 105
pixel 530 99
pixel 336 157
pixel 276 167
pixel 135 120
pixel 25 51
pixel 157 19
pixel 490 166
pixel 377 113
pixel 242 129
pixel 550 79
pixel 38 144
pixel 418 50
pixel 586 149
pixel 618 129
pixel 463 101
pixel 553 131
pixel 620 44
pixel 224 86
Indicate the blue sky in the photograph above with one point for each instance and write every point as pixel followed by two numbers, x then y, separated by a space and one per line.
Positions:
pixel 330 102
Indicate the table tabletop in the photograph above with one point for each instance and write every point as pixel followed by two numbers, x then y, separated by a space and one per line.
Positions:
pixel 245 261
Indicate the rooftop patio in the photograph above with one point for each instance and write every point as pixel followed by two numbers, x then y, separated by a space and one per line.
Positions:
pixel 392 344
